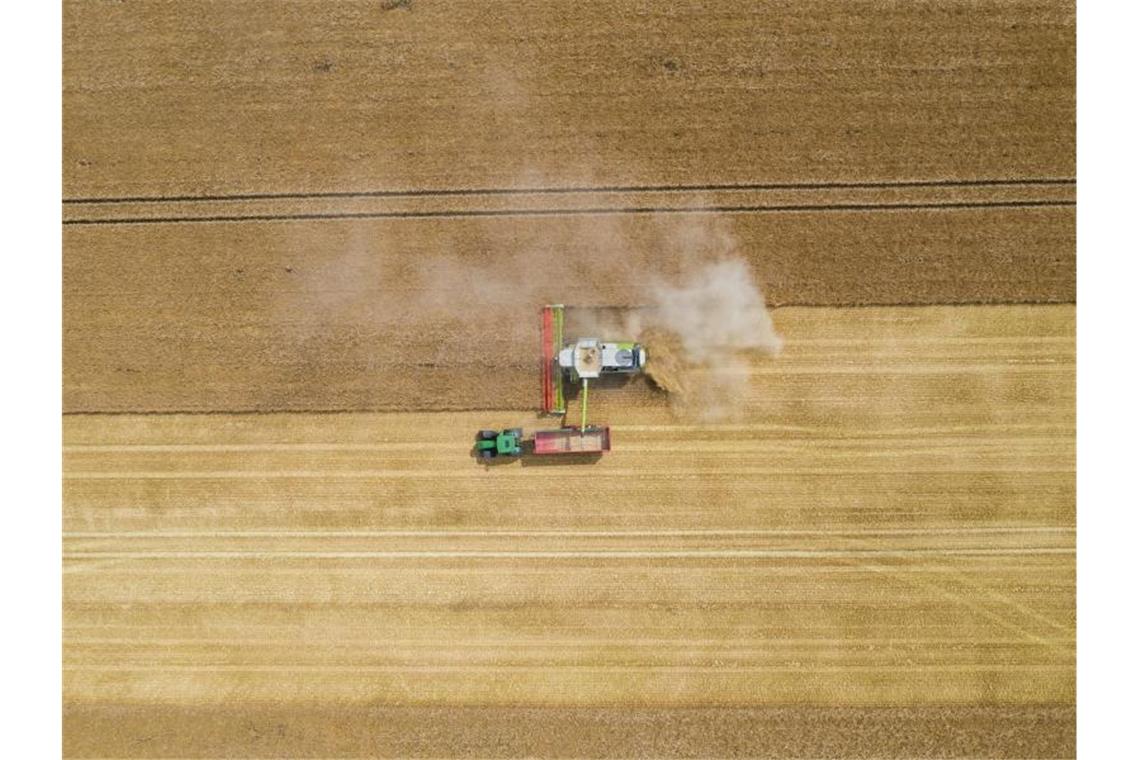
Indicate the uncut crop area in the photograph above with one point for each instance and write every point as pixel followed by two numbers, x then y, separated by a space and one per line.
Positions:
pixel 305 250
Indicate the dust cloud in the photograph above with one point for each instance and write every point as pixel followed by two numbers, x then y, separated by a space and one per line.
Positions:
pixel 681 285
pixel 700 332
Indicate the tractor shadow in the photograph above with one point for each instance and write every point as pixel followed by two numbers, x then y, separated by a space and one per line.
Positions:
pixel 498 460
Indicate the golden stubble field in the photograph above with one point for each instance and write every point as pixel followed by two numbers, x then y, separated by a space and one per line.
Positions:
pixel 889 525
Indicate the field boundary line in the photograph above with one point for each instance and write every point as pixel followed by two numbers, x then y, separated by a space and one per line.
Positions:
pixel 709 187
pixel 590 211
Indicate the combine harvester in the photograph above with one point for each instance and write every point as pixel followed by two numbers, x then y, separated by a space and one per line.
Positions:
pixel 580 361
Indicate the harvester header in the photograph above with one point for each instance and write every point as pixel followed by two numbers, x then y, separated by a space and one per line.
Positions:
pixel 553 399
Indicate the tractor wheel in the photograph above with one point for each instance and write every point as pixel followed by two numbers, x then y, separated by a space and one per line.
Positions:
pixel 488 435
pixel 517 433
pixel 486 454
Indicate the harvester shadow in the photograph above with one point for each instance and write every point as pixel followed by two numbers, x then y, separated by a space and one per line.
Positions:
pixel 613 380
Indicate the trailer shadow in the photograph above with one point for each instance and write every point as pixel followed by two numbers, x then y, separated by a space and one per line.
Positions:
pixel 534 460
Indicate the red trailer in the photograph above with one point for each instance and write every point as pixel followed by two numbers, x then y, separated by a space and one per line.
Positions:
pixel 572 440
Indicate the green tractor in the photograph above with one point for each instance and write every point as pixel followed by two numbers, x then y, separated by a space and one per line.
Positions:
pixel 490 444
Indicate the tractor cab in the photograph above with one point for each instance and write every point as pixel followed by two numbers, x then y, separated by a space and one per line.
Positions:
pixel 490 444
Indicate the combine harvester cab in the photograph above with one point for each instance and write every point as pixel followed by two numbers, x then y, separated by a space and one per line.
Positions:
pixel 572 440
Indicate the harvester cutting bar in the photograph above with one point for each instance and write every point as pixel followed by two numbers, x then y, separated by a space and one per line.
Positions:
pixel 553 401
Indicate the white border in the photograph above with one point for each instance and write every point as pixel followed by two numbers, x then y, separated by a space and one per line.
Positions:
pixel 32 306
pixel 1108 319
